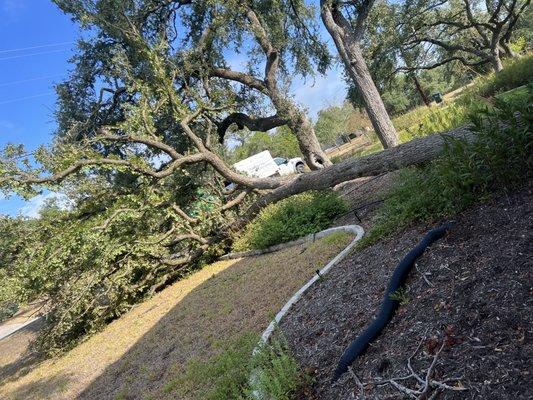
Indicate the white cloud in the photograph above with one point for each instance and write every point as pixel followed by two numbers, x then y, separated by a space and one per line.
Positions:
pixel 33 207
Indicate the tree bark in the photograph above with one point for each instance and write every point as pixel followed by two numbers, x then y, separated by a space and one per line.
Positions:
pixel 301 126
pixel 420 90
pixel 415 152
pixel 496 60
pixel 347 43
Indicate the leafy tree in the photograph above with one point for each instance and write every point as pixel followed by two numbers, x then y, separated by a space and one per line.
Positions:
pixel 470 31
pixel 337 120
pixel 279 34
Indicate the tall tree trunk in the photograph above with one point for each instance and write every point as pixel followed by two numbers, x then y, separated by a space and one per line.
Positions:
pixel 420 90
pixel 352 56
pixel 301 126
pixel 496 60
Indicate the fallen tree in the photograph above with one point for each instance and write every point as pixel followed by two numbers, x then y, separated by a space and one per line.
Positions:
pixel 142 165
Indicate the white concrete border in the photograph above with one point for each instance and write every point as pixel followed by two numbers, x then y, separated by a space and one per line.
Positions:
pixel 359 232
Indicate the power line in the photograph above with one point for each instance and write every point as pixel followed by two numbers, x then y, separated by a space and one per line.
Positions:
pixel 35 47
pixel 29 80
pixel 33 54
pixel 26 98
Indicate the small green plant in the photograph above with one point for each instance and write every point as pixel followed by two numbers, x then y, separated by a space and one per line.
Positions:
pixel 400 296
pixel 279 376
pixel 499 157
pixel 228 375
pixel 290 219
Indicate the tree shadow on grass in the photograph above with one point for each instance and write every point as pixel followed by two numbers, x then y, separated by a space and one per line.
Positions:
pixel 242 298
pixel 46 388
pixel 17 359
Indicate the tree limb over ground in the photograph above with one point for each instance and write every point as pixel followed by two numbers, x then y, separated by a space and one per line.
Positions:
pixel 242 120
pixel 415 152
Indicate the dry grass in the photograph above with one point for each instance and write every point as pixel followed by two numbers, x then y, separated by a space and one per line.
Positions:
pixel 135 356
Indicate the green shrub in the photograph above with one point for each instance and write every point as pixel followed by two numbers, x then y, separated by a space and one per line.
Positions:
pixel 515 73
pixel 499 157
pixel 290 219
pixel 227 375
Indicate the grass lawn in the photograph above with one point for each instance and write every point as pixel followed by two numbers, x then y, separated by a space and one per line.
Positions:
pixel 140 354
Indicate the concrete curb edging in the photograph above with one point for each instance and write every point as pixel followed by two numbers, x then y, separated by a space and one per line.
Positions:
pixel 359 232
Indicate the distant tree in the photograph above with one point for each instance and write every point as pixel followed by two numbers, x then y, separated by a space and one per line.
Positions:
pixel 280 143
pixel 470 31
pixel 336 120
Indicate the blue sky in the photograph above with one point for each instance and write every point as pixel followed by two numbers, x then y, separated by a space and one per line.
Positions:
pixel 27 77
pixel 37 41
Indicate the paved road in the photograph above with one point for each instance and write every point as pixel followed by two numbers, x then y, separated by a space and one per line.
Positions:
pixel 8 329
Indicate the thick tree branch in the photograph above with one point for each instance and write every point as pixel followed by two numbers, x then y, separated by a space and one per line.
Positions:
pixel 242 120
pixel 241 77
pixel 415 152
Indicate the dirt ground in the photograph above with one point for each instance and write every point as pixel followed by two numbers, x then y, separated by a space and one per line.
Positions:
pixel 136 356
pixel 471 291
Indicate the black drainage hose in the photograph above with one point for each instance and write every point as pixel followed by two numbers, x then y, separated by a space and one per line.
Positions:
pixel 389 306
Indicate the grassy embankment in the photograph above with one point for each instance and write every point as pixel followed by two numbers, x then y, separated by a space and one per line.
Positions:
pixel 197 321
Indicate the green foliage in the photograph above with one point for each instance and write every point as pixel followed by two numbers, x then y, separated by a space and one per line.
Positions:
pixel 515 73
pixel 424 121
pixel 400 296
pixel 334 121
pixel 95 262
pixel 227 375
pixel 290 219
pixel 13 232
pixel 440 119
pixel 499 157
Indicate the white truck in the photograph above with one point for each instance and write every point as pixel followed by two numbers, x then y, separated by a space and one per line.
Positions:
pixel 262 165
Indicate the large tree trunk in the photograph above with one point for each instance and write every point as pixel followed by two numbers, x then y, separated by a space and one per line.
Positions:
pixel 415 152
pixel 352 56
pixel 309 145
pixel 496 60
pixel 301 126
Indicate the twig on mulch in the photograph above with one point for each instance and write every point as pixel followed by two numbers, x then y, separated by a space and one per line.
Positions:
pixel 425 388
pixel 424 276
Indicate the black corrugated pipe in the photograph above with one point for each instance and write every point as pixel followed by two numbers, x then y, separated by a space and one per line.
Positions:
pixel 389 306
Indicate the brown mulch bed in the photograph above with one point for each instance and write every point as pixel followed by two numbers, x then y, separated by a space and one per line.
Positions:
pixel 471 290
